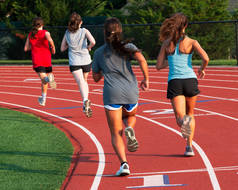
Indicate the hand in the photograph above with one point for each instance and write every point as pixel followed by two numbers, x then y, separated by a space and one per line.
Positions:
pixel 201 73
pixel 144 84
pixel 53 50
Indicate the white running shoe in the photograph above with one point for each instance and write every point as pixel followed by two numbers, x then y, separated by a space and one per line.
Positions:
pixel 132 144
pixel 189 151
pixel 87 109
pixel 52 81
pixel 124 170
pixel 185 128
pixel 41 101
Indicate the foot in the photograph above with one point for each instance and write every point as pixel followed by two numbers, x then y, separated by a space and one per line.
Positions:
pixel 124 170
pixel 132 144
pixel 87 109
pixel 41 101
pixel 185 128
pixel 52 81
pixel 189 151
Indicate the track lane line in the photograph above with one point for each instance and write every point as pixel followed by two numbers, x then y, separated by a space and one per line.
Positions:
pixel 101 155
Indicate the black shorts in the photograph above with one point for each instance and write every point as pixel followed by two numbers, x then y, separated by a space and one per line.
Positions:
pixel 85 68
pixel 42 69
pixel 186 87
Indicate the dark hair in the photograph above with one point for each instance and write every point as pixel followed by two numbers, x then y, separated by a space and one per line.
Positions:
pixel 36 24
pixel 74 22
pixel 172 28
pixel 113 36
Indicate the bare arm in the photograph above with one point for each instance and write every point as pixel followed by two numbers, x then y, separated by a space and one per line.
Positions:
pixel 64 44
pixel 27 46
pixel 50 40
pixel 205 59
pixel 90 39
pixel 144 68
pixel 161 61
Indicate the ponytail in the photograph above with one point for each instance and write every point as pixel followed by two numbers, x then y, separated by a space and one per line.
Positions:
pixel 113 36
pixel 36 24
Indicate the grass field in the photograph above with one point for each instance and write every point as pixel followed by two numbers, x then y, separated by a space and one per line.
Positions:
pixel 33 154
pixel 230 62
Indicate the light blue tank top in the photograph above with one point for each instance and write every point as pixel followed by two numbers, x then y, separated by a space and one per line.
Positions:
pixel 180 65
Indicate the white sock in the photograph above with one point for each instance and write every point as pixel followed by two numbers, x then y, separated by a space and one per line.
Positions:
pixel 44 96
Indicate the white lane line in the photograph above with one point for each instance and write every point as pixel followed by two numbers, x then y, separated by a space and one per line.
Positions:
pixel 204 157
pixel 196 115
pixel 101 155
pixel 61 89
pixel 226 168
pixel 196 146
pixel 210 112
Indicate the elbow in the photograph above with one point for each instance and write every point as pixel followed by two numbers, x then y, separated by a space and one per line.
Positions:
pixel 206 60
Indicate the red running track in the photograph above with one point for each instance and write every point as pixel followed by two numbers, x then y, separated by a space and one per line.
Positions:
pixel 159 163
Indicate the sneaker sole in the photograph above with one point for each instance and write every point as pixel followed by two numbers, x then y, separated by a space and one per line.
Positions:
pixel 124 173
pixel 185 128
pixel 189 154
pixel 132 144
pixel 42 104
pixel 52 81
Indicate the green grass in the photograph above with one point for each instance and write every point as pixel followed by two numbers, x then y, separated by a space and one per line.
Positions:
pixel 33 154
pixel 221 62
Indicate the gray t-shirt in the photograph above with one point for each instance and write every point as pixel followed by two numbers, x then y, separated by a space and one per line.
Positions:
pixel 120 84
pixel 77 43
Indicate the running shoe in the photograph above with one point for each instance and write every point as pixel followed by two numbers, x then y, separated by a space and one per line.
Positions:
pixel 189 151
pixel 41 101
pixel 185 128
pixel 124 170
pixel 132 144
pixel 52 81
pixel 87 109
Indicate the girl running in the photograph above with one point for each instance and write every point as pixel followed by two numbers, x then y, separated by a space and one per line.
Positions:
pixel 120 92
pixel 41 45
pixel 176 52
pixel 75 39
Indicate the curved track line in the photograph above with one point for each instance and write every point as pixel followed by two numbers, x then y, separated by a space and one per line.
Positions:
pixel 101 155
pixel 204 157
pixel 197 147
pixel 207 111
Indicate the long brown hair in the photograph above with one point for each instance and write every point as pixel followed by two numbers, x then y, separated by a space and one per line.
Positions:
pixel 113 36
pixel 172 28
pixel 36 24
pixel 74 22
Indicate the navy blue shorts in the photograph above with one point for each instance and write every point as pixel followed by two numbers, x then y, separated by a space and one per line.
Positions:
pixel 85 68
pixel 186 87
pixel 42 69
pixel 127 107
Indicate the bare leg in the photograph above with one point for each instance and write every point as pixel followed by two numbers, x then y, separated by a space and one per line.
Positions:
pixel 190 105
pixel 129 118
pixel 179 107
pixel 182 106
pixel 44 84
pixel 114 119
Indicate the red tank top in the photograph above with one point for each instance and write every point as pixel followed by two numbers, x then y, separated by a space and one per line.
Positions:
pixel 40 51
